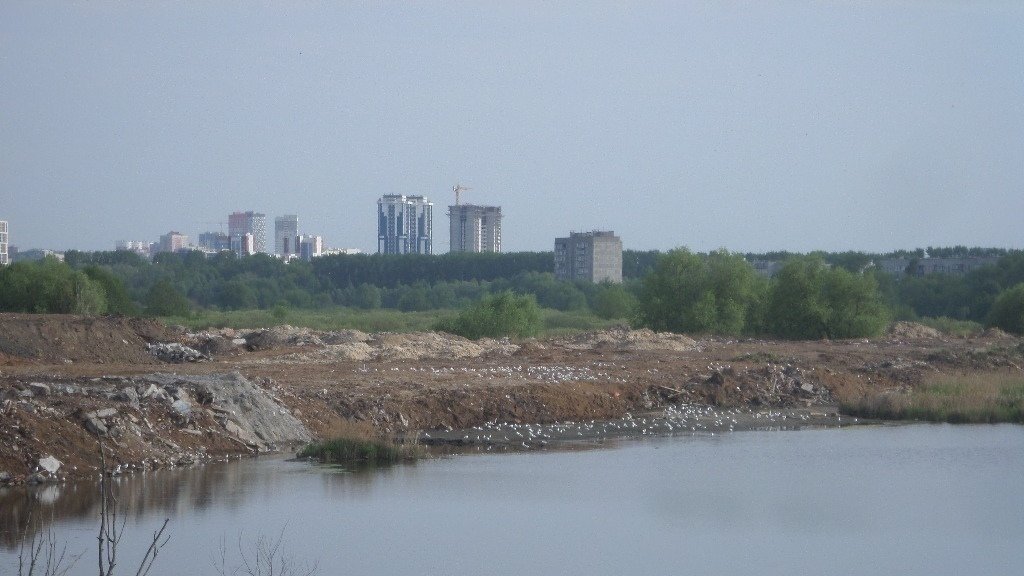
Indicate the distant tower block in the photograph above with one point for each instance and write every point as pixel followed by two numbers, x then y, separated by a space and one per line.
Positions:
pixel 286 228
pixel 474 228
pixel 405 225
pixel 594 256
pixel 252 223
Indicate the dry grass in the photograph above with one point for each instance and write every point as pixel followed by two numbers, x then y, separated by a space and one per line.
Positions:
pixel 977 398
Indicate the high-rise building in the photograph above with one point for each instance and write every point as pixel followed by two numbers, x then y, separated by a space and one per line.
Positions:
pixel 254 223
pixel 310 247
pixel 214 241
pixel 172 242
pixel 404 225
pixel 140 247
pixel 286 230
pixel 4 240
pixel 595 256
pixel 474 228
pixel 244 245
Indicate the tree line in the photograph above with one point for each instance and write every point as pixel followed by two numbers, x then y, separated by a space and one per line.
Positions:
pixel 830 295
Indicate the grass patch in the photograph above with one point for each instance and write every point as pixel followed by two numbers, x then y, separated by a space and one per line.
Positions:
pixel 978 398
pixel 358 444
pixel 558 323
pixel 353 451
pixel 555 322
pixel 958 328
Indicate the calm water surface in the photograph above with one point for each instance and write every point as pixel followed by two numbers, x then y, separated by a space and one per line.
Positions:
pixel 921 499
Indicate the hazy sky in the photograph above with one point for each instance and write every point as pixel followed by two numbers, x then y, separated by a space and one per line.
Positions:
pixel 747 125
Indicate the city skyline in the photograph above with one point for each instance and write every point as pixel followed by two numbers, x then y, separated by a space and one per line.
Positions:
pixel 753 127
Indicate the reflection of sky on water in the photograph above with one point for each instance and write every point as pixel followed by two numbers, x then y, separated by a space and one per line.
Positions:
pixel 916 499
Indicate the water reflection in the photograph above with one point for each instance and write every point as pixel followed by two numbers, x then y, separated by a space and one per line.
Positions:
pixel 916 499
pixel 225 486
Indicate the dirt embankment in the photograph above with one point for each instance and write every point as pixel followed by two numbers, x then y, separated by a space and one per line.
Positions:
pixel 67 381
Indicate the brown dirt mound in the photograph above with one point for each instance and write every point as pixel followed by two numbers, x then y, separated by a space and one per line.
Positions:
pixel 631 340
pixel 996 333
pixel 64 338
pixel 913 330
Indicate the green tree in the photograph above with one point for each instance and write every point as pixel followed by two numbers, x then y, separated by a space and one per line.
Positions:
pixel 89 296
pixel 809 300
pixel 504 314
pixel 613 301
pixel 1008 310
pixel 236 295
pixel 49 286
pixel 164 299
pixel 117 299
pixel 686 292
pixel 367 297
pixel 413 298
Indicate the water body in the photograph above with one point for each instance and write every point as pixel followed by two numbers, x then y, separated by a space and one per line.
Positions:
pixel 918 499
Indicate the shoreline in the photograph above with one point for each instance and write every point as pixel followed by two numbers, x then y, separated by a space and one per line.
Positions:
pixel 683 420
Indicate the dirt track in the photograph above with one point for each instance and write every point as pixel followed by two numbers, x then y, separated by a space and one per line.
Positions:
pixel 419 382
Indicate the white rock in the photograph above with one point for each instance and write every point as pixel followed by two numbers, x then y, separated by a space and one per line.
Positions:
pixel 50 464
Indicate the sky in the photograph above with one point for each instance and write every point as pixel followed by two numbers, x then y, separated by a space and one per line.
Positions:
pixel 751 126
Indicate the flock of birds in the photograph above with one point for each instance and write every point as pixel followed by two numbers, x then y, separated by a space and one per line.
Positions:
pixel 683 419
pixel 552 374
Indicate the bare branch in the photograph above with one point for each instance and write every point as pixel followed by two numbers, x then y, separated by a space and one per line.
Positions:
pixel 154 549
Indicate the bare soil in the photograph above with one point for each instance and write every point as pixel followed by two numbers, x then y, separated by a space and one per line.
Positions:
pixel 403 383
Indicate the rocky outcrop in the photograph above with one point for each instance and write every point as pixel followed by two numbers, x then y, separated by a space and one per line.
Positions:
pixel 241 407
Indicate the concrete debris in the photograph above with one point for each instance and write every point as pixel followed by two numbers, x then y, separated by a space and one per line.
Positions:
pixel 104 414
pixel 95 426
pixel 175 353
pixel 130 395
pixel 50 464
pixel 182 407
pixel 243 409
pixel 39 389
pixel 155 392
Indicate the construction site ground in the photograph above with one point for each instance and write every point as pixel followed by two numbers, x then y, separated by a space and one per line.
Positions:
pixel 68 381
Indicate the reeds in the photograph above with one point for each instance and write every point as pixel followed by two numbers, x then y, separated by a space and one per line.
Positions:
pixel 976 398
pixel 353 444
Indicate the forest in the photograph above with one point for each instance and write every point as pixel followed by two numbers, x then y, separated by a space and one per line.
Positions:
pixel 817 295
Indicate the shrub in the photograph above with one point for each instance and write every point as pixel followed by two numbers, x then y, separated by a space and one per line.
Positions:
pixel 1008 310
pixel 686 292
pixel 504 314
pixel 353 451
pixel 164 299
pixel 613 301
pixel 808 300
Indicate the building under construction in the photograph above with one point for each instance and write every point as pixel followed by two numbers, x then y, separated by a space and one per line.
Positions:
pixel 475 228
pixel 4 258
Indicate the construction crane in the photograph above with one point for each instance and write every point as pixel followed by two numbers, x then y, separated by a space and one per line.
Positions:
pixel 459 188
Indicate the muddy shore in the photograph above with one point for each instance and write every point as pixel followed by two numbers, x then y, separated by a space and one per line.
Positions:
pixel 160 397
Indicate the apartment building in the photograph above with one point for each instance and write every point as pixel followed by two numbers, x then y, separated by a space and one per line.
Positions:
pixel 404 225
pixel 593 256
